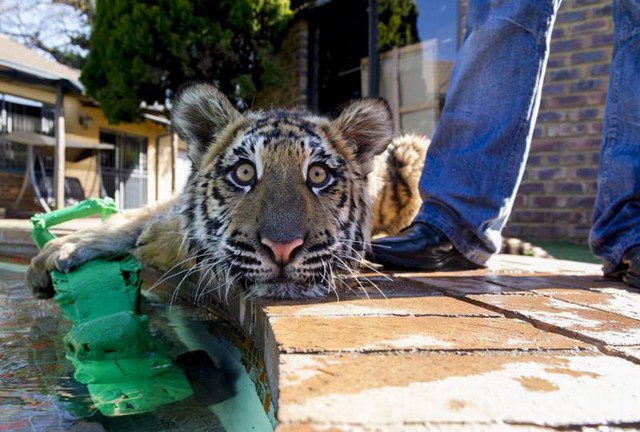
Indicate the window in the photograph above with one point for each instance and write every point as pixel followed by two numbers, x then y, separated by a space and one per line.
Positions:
pixel 124 169
pixel 417 40
pixel 415 69
pixel 438 21
pixel 21 115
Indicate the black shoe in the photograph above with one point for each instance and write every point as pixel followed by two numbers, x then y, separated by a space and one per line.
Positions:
pixel 419 247
pixel 629 268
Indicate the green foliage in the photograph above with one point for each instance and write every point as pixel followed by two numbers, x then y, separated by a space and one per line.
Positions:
pixel 397 23
pixel 139 50
pixel 65 55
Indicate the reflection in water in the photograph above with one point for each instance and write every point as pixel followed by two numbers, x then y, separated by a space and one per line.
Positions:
pixel 38 392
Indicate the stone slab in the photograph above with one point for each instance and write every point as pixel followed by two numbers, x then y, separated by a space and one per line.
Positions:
pixel 542 265
pixel 366 286
pixel 605 327
pixel 525 282
pixel 488 283
pixel 631 353
pixel 614 300
pixel 534 282
pixel 419 427
pixel 393 333
pixel 460 286
pixel 403 306
pixel 391 391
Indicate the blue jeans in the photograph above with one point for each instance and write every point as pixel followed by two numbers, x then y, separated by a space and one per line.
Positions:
pixel 478 152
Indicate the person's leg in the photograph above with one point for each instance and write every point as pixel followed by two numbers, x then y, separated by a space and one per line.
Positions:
pixel 477 156
pixel 616 215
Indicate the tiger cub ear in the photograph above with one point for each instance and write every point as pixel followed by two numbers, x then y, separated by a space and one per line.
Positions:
pixel 367 126
pixel 200 112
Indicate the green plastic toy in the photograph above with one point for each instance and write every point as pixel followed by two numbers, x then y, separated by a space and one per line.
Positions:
pixel 110 346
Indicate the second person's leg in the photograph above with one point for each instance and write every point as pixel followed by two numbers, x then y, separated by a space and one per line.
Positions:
pixel 478 152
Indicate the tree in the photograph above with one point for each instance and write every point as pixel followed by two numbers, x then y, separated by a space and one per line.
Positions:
pixel 57 28
pixel 397 23
pixel 145 50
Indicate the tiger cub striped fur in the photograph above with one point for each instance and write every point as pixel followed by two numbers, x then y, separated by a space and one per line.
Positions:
pixel 277 202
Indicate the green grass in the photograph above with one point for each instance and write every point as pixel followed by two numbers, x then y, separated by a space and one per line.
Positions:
pixel 567 250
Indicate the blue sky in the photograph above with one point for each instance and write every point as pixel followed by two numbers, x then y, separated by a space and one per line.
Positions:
pixel 52 22
pixel 439 19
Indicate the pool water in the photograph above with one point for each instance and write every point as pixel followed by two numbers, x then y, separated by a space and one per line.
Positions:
pixel 38 392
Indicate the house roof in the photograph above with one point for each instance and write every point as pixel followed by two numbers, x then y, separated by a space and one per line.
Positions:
pixel 25 61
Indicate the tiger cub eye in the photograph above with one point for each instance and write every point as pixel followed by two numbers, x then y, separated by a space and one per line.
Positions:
pixel 244 173
pixel 318 175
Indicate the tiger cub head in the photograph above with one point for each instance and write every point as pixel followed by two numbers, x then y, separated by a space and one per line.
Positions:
pixel 277 201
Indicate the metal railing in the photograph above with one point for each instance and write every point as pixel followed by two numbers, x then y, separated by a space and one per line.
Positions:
pixel 21 118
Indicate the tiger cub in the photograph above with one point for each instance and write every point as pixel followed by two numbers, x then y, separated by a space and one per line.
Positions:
pixel 277 203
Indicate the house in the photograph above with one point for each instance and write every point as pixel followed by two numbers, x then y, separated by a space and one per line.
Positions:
pixel 325 54
pixel 50 130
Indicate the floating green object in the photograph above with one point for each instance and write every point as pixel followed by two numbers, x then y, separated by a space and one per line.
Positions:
pixel 126 370
pixel 97 288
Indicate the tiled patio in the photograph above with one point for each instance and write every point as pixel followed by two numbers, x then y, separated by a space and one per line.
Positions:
pixel 527 344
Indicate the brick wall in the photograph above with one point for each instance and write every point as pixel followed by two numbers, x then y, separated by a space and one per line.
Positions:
pixel 556 197
pixel 292 55
pixel 10 184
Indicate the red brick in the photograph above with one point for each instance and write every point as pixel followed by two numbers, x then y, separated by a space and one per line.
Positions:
pixel 591 26
pixel 589 56
pixel 565 74
pixel 566 130
pixel 566 188
pixel 588 85
pixel 563 101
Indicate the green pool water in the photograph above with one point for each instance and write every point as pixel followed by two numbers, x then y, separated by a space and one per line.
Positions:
pixel 38 392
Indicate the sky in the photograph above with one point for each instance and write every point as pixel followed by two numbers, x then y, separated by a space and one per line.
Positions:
pixel 439 19
pixel 53 23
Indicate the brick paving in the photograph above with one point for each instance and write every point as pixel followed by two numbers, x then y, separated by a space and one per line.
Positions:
pixel 527 344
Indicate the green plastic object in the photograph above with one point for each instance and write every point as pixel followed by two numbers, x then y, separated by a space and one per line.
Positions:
pixel 126 370
pixel 138 395
pixel 118 288
pixel 43 221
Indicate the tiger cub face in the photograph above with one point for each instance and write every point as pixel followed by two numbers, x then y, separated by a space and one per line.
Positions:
pixel 277 201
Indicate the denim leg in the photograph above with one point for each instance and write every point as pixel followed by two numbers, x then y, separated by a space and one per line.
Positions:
pixel 479 149
pixel 616 214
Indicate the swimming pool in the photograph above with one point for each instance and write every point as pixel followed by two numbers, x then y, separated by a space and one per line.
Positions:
pixel 38 392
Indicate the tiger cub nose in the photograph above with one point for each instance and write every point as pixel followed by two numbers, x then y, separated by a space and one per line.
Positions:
pixel 282 250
